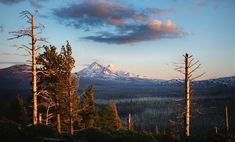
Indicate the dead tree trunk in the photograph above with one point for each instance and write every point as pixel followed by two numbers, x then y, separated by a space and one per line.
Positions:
pixel 34 71
pixel 129 122
pixel 190 66
pixel 187 96
pixel 226 119
pixel 30 32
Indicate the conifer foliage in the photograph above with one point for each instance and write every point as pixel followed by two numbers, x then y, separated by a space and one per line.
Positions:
pixel 115 120
pixel 58 87
pixel 108 119
pixel 89 103
pixel 59 101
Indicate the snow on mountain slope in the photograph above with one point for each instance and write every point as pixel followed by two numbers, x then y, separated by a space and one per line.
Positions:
pixel 110 72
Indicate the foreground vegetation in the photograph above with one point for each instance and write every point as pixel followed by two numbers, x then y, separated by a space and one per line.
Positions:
pixel 11 131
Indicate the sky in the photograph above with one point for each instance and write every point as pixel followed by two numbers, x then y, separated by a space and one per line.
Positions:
pixel 145 37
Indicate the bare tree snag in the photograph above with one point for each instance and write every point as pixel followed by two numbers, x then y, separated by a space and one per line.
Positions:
pixel 30 32
pixel 187 96
pixel 226 119
pixel 190 66
pixel 129 122
pixel 34 70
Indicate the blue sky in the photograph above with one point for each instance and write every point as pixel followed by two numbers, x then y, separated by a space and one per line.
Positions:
pixel 145 37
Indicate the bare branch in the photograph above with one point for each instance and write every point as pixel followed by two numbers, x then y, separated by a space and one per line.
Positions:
pixel 191 65
pixel 193 70
pixel 26 15
pixel 42 39
pixel 198 76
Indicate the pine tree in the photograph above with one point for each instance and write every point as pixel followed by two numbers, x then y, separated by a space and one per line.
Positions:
pixel 89 105
pixel 18 110
pixel 69 89
pixel 49 73
pixel 115 121
pixel 107 118
pixel 57 85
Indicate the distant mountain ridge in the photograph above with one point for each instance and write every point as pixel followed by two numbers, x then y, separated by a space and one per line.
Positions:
pixel 111 82
pixel 110 72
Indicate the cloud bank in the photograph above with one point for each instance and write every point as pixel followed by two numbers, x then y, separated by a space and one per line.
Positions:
pixel 129 25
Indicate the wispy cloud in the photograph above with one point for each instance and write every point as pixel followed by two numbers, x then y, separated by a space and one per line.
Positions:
pixel 35 4
pixel 159 11
pixel 10 2
pixel 130 25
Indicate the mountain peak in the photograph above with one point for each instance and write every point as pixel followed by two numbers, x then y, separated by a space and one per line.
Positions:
pixel 113 68
pixel 95 66
pixel 110 72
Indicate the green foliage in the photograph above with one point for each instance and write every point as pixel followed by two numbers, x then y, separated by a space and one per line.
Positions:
pixel 107 118
pixel 116 122
pixel 89 105
pixel 57 85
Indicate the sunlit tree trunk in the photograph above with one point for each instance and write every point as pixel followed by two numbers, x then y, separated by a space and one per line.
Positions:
pixel 187 97
pixel 34 71
pixel 30 32
pixel 58 123
pixel 129 122
pixel 226 119
pixel 40 118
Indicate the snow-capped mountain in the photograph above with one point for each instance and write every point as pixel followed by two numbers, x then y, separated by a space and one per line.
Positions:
pixel 110 72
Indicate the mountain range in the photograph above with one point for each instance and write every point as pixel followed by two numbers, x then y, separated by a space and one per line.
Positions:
pixel 111 82
pixel 110 72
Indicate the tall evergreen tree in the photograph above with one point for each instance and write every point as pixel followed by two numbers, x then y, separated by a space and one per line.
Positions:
pixel 58 86
pixel 108 118
pixel 69 90
pixel 89 105
pixel 18 110
pixel 116 122
pixel 49 73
